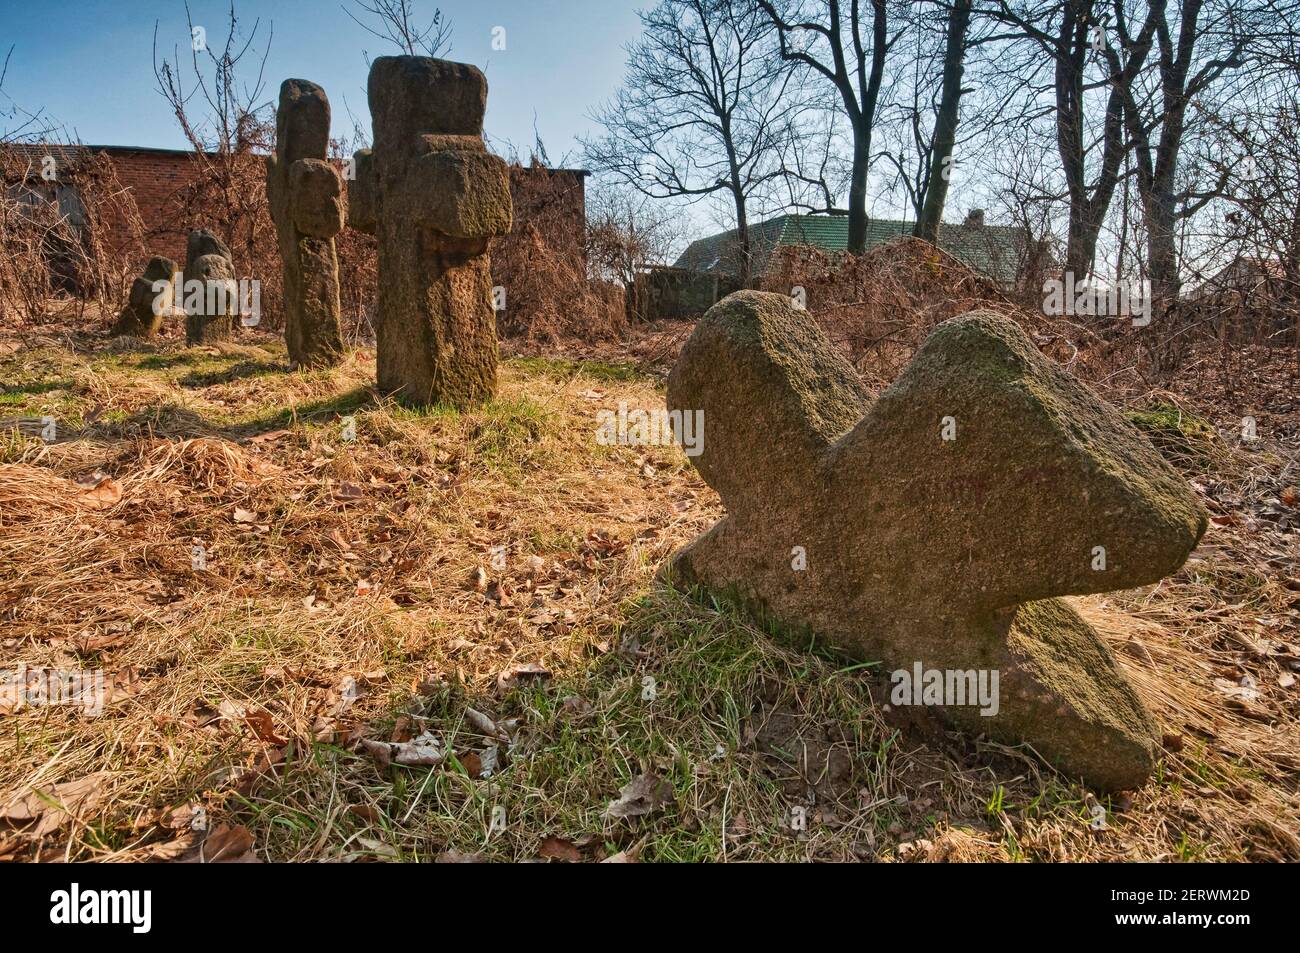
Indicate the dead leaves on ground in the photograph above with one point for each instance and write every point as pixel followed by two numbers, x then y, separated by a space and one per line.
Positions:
pixel 56 805
pixel 226 844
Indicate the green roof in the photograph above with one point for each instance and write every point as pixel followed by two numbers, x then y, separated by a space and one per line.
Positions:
pixel 992 250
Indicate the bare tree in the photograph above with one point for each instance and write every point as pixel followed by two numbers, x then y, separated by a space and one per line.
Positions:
pixel 626 234
pixel 16 123
pixel 1202 45
pixel 396 22
pixel 219 101
pixel 942 143
pixel 702 110
pixel 1253 252
pixel 832 44
pixel 1070 36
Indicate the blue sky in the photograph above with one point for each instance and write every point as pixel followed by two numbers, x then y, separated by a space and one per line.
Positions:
pixel 89 64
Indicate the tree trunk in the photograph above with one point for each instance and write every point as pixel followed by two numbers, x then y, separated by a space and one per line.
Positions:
pixel 1162 254
pixel 945 124
pixel 858 190
pixel 745 271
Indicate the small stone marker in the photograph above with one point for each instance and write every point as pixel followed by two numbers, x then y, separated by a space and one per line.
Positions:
pixel 306 199
pixel 209 312
pixel 141 317
pixel 434 197
pixel 936 544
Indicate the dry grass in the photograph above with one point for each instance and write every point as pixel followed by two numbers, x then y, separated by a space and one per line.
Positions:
pixel 500 563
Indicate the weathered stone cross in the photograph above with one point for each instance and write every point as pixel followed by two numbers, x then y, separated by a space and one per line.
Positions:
pixel 306 199
pixel 934 524
pixel 209 298
pixel 434 197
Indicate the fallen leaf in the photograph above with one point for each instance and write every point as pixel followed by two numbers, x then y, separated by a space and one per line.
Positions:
pixel 559 848
pixel 99 491
pixel 365 812
pixel 264 727
pixel 519 673
pixel 423 751
pixel 456 857
pixel 642 795
pixel 232 711
pixel 481 723
pixel 244 516
pixel 53 806
pixel 225 845
pixel 269 436
pixel 622 857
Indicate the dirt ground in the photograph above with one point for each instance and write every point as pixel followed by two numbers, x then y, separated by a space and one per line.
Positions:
pixel 331 628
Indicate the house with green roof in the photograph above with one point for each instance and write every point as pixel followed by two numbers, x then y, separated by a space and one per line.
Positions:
pixel 707 270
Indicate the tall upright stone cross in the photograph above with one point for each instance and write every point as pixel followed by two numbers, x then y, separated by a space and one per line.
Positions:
pixel 306 199
pixel 434 197
pixel 936 524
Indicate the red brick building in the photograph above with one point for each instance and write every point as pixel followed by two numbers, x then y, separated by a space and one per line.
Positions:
pixel 156 180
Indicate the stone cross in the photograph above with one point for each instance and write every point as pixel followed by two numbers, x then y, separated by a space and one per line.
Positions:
pixel 935 524
pixel 433 196
pixel 306 199
pixel 208 293
pixel 145 308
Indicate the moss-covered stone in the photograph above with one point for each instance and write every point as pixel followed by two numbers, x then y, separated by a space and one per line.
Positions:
pixel 1185 439
pixel 911 529
pixel 306 199
pixel 434 197
pixel 209 293
pixel 146 309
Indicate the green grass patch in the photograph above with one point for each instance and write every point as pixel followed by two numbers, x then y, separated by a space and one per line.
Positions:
pixel 561 368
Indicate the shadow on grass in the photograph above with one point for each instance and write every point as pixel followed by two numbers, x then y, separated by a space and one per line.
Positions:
pixel 689 701
pixel 163 362
pixel 174 420
pixel 37 387
pixel 234 372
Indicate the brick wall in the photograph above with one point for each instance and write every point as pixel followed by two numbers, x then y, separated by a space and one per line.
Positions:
pixel 550 216
pixel 555 200
pixel 155 178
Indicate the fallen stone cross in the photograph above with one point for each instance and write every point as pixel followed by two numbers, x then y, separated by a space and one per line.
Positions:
pixel 434 197
pixel 146 308
pixel 306 199
pixel 932 527
pixel 210 296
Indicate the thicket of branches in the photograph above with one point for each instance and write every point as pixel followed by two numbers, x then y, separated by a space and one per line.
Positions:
pixel 1132 140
